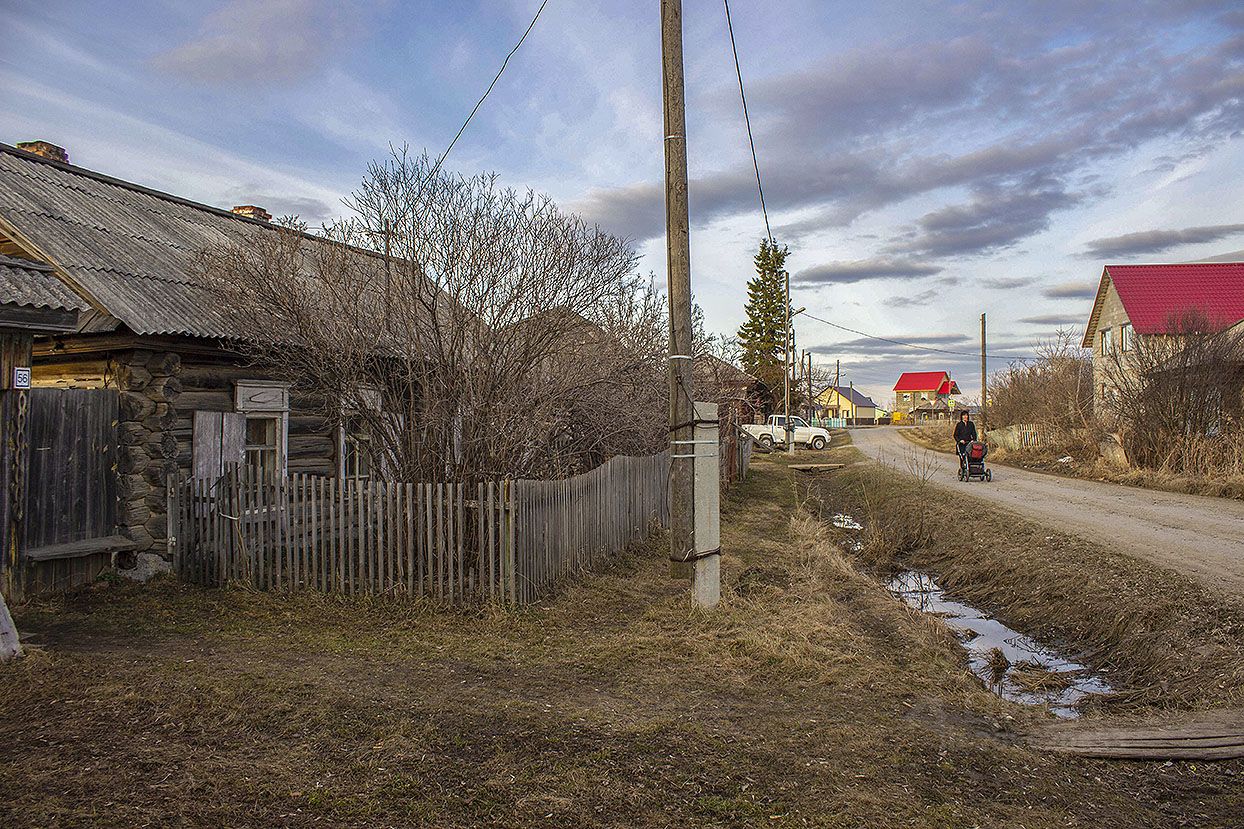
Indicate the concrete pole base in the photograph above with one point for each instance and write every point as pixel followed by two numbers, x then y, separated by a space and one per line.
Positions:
pixel 706 581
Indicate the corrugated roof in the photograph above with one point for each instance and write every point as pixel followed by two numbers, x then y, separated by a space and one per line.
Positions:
pixel 1157 297
pixel 921 381
pixel 129 248
pixel 36 284
pixel 854 396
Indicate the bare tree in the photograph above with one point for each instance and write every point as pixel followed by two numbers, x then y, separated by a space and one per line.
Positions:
pixel 480 332
pixel 1178 398
pixel 1054 391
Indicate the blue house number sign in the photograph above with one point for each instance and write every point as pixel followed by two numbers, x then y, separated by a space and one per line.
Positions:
pixel 21 377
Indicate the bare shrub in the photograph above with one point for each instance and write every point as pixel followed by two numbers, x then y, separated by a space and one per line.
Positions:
pixel 1055 390
pixel 501 336
pixel 1178 398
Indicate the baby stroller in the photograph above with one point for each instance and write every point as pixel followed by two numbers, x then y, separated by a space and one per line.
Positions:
pixel 972 463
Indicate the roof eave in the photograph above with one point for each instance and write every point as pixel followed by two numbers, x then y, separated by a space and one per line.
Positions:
pixel 1090 330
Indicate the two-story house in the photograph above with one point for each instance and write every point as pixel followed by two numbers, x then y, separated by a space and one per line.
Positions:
pixel 1156 300
pixel 927 391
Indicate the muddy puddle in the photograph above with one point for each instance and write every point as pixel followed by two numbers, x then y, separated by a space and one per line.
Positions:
pixel 1015 666
pixel 1009 663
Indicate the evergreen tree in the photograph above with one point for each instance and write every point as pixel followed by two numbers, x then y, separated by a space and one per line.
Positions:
pixel 761 336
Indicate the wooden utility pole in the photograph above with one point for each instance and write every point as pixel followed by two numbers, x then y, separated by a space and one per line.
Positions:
pixel 983 378
pixel 684 557
pixel 837 396
pixel 852 402
pixel 788 355
pixel 811 402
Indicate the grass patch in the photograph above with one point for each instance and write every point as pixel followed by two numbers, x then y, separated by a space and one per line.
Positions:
pixel 809 698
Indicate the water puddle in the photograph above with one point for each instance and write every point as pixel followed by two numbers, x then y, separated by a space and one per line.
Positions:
pixel 1015 666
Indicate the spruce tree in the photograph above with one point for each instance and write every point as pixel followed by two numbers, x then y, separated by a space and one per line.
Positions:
pixel 761 336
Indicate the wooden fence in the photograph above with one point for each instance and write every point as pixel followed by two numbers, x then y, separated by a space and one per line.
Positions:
pixel 508 541
pixel 735 454
pixel 1019 436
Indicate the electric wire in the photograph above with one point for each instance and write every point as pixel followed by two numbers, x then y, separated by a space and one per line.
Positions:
pixel 747 120
pixel 480 102
pixel 916 346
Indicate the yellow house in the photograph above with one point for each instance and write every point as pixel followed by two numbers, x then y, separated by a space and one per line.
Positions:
pixel 846 402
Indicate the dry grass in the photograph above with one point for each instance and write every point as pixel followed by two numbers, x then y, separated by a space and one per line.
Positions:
pixel 1163 637
pixel 810 698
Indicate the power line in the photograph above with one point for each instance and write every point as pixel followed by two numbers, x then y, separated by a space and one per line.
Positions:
pixel 747 119
pixel 914 345
pixel 480 102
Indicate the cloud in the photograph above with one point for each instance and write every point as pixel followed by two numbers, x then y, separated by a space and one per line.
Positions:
pixel 879 346
pixel 1053 319
pixel 838 273
pixel 1071 290
pixel 996 218
pixel 1022 126
pixel 272 42
pixel 1005 283
pixel 1155 241
pixel 311 210
pixel 910 300
pixel 1232 256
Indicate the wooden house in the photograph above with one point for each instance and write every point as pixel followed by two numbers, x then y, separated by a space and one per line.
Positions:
pixel 108 266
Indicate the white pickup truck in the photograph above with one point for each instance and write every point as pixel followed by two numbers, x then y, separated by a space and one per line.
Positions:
pixel 774 431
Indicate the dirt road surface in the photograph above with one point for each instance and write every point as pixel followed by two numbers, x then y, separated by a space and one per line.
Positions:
pixel 1199 536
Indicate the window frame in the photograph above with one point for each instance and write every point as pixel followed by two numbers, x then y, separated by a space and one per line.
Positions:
pixel 1125 337
pixel 265 400
pixel 372 398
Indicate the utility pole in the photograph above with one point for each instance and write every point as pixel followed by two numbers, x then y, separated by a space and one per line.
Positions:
pixel 852 402
pixel 686 559
pixel 837 395
pixel 811 402
pixel 983 378
pixel 790 347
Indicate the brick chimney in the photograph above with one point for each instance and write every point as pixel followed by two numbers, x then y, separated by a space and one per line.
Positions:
pixel 45 149
pixel 250 211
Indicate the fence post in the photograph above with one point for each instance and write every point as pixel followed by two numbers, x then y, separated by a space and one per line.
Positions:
pixel 170 509
pixel 706 574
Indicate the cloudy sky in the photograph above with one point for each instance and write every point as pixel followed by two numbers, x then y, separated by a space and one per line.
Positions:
pixel 924 161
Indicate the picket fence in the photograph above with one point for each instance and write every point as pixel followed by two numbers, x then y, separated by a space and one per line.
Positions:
pixel 507 541
pixel 1019 436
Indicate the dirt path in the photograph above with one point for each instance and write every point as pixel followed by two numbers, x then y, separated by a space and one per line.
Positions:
pixel 1199 536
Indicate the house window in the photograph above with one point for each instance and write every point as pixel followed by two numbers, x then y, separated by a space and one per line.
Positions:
pixel 262 444
pixel 1107 342
pixel 266 408
pixel 356 447
pixel 1125 336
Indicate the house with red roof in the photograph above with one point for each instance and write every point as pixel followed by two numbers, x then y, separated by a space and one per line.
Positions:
pixel 1147 300
pixel 924 395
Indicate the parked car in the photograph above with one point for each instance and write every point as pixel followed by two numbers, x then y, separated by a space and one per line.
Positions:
pixel 774 432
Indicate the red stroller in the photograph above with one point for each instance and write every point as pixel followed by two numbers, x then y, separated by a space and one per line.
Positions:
pixel 972 463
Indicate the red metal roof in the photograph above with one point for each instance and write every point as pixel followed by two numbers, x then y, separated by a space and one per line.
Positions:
pixel 948 387
pixel 1154 296
pixel 922 381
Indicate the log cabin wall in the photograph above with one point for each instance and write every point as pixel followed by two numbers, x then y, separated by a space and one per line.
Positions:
pixel 161 387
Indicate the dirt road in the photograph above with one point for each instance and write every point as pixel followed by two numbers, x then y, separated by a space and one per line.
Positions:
pixel 1199 536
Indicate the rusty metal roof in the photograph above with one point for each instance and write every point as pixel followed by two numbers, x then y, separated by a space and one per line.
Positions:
pixel 23 282
pixel 128 249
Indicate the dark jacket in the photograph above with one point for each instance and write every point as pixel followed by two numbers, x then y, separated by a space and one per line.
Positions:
pixel 965 432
